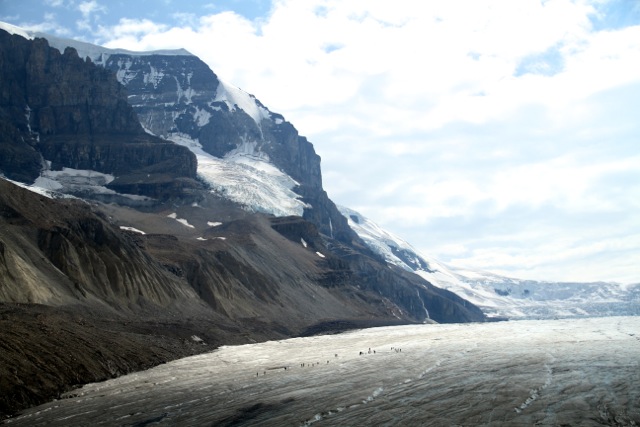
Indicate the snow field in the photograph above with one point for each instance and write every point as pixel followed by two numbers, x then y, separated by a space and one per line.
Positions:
pixel 180 220
pixel 246 178
pixel 575 371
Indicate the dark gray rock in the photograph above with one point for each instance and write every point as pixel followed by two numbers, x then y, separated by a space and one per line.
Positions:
pixel 60 108
pixel 179 93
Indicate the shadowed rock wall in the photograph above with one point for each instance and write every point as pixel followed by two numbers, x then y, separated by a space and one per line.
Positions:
pixel 65 110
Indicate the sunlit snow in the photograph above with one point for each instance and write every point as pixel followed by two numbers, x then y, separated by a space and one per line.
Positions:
pixel 135 230
pixel 246 177
pixel 53 183
pixel 154 76
pixel 235 97
pixel 201 117
pixel 378 239
pixel 551 372
pixel 180 220
pixel 75 180
pixel 51 194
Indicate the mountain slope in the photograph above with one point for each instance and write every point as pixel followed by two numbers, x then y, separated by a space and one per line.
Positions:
pixel 80 257
pixel 249 155
pixel 130 249
pixel 498 296
pixel 177 97
pixel 59 111
pixel 245 153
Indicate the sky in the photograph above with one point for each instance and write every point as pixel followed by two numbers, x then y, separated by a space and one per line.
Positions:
pixel 497 135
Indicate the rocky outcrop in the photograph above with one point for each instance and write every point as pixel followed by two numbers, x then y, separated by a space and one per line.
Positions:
pixel 349 266
pixel 58 108
pixel 180 94
pixel 166 91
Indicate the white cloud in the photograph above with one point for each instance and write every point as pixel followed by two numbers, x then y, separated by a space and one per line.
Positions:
pixel 89 7
pixel 49 25
pixel 188 19
pixel 576 258
pixel 89 11
pixel 127 30
pixel 479 117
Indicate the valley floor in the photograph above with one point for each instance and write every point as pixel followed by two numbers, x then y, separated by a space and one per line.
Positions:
pixel 552 372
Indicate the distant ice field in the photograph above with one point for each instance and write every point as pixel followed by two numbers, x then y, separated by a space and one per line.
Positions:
pixel 529 372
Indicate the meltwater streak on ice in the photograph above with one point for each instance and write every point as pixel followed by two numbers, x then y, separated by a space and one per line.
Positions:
pixel 550 372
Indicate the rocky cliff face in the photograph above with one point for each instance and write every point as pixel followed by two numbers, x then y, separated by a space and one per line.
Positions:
pixel 180 94
pixel 349 265
pixel 58 110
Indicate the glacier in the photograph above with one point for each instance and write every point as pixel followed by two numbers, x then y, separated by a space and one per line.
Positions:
pixel 526 372
pixel 247 178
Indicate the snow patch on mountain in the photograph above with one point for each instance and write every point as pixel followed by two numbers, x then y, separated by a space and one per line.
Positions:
pixel 188 93
pixel 180 220
pixel 124 74
pixel 201 117
pixel 132 229
pixel 237 98
pixel 154 76
pixel 12 29
pixel 247 152
pixel 394 250
pixel 246 177
pixel 74 179
pixel 48 193
pixel 78 182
